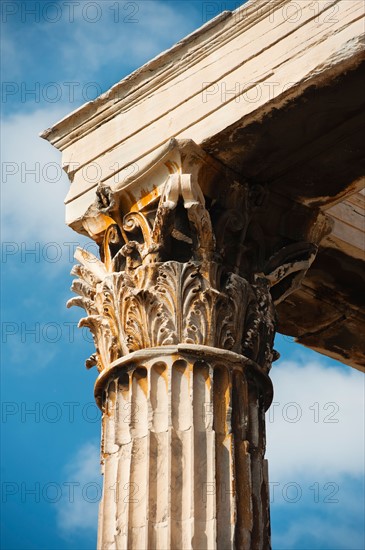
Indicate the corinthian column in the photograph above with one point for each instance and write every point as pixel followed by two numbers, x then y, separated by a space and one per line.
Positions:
pixel 180 305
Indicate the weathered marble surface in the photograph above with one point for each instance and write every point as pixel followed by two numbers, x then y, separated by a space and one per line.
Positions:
pixel 183 445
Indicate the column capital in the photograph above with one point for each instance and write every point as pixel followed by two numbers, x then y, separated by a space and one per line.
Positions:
pixel 185 258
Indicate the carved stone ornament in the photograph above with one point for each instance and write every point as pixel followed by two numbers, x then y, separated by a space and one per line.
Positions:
pixel 170 271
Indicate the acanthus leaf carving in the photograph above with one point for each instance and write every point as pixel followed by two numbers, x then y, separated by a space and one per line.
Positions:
pixel 169 303
pixel 171 273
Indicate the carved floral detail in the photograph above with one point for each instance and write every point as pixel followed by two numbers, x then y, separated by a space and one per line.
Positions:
pixel 164 304
pixel 164 279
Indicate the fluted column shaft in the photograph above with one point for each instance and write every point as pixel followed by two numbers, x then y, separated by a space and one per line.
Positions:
pixel 183 451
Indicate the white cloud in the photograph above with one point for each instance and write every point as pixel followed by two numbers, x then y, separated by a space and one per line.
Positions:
pixel 33 184
pixel 315 448
pixel 78 510
pixel 32 203
pixel 315 427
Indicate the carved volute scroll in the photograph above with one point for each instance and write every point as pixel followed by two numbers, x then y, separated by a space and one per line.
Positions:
pixel 184 268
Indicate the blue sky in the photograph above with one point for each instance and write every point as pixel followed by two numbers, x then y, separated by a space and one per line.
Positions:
pixel 56 56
